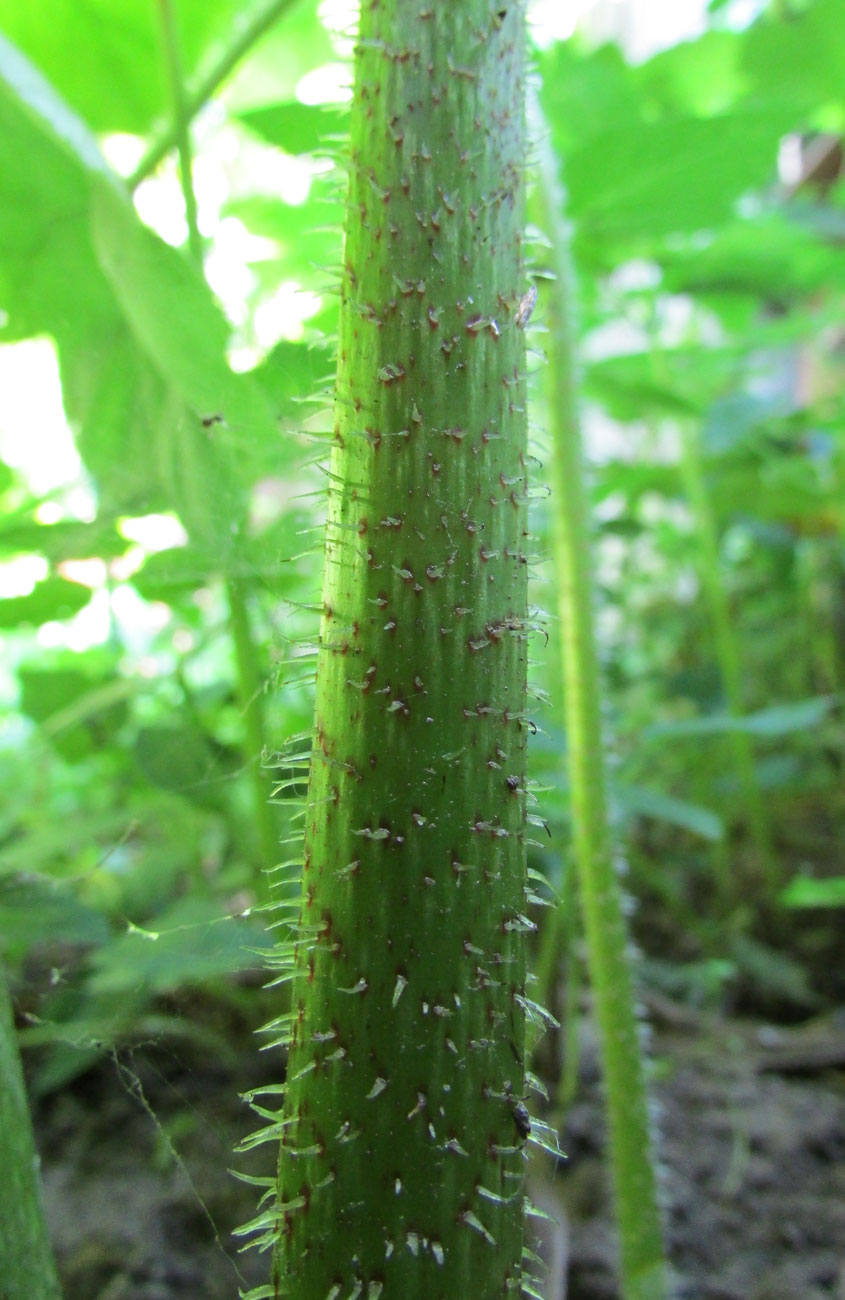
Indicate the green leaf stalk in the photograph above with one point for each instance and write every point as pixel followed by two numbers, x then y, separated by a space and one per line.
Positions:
pixel 255 23
pixel 642 1267
pixel 27 1268
pixel 403 1128
pixel 249 682
pixel 730 670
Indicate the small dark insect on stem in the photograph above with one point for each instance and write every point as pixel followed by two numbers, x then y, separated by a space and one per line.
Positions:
pixel 518 1109
pixel 526 307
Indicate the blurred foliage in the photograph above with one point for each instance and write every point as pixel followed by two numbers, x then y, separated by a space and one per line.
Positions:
pixel 711 296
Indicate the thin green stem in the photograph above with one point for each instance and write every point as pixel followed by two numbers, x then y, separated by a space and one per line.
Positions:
pixel 568 1083
pixel 251 693
pixel 257 23
pixel 727 651
pixel 27 1268
pixel 642 1264
pixel 250 685
pixel 181 124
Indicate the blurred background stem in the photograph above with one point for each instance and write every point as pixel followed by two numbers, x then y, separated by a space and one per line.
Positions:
pixel 250 686
pixel 642 1265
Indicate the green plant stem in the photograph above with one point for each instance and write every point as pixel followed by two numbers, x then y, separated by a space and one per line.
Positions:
pixel 402 1132
pixel 257 23
pixel 250 685
pixel 251 694
pixel 181 123
pixel 27 1267
pixel 559 945
pixel 727 657
pixel 642 1265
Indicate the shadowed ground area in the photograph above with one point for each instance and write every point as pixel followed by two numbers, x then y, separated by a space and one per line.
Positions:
pixel 753 1136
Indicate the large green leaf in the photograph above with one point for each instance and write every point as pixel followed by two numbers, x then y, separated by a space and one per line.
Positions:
pixel 778 720
pixel 648 179
pixel 700 77
pixel 79 709
pixel 142 343
pixel 804 891
pixel 800 56
pixel 191 942
pixel 770 257
pixel 293 48
pixel 51 282
pixel 106 58
pixel 297 128
pixel 173 316
pixel 585 93
pixel 118 405
pixel 66 540
pixel 166 575
pixel 34 911
pixel 54 598
pixel 49 279
pixel 183 761
pixel 692 817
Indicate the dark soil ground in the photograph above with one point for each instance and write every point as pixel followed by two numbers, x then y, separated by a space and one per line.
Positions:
pixel 136 1155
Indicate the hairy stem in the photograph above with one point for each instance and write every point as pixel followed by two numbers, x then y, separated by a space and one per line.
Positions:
pixel 27 1268
pixel 641 1247
pixel 402 1130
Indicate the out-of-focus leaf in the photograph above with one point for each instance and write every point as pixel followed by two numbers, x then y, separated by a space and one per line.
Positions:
pixel 647 179
pixel 783 488
pixel 183 761
pixel 585 93
pixel 26 83
pixel 773 972
pixel 293 372
pixel 104 700
pixel 66 540
pixel 189 943
pixel 51 282
pixel 731 418
pixel 141 341
pixel 771 257
pixel 800 56
pixel 173 316
pixel 634 478
pixel 34 911
pixel 642 802
pixel 297 128
pixel 105 58
pixel 52 599
pixel 78 711
pixel 779 720
pixel 804 891
pixel 119 406
pixel 49 846
pixel 48 276
pixel 294 47
pixel 628 387
pixel 217 418
pixel 308 235
pixel 171 573
pixel 701 76
pixel 826 220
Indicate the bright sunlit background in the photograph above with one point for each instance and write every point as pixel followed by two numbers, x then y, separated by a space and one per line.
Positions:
pixel 34 434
